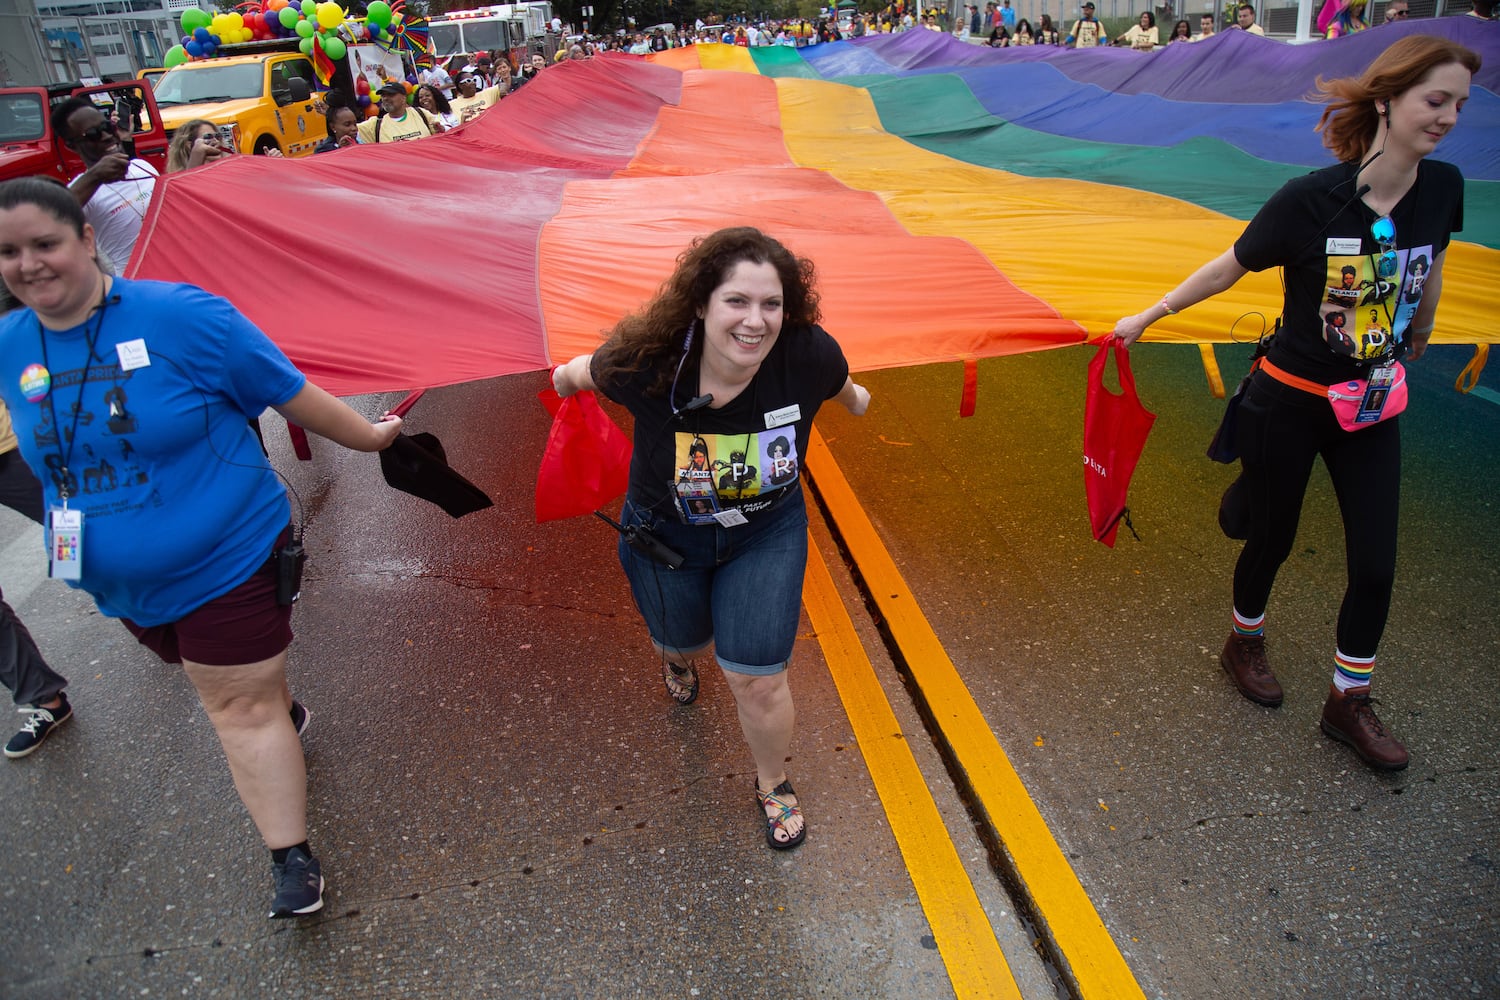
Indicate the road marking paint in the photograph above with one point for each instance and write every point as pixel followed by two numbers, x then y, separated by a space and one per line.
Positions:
pixel 976 965
pixel 1079 937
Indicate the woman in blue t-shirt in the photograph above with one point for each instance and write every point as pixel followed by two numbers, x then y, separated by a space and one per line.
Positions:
pixel 132 401
pixel 1349 238
pixel 724 369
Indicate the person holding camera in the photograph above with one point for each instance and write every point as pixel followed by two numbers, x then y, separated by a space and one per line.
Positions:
pixel 115 188
pixel 725 360
pixel 132 403
pixel 198 142
pixel 1349 239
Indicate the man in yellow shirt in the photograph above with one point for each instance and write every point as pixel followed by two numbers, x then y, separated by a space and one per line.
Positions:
pixel 470 101
pixel 1244 16
pixel 397 121
pixel 1087 31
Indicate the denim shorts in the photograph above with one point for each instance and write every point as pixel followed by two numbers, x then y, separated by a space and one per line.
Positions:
pixel 739 588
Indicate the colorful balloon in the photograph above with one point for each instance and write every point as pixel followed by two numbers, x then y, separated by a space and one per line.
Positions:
pixel 305 28
pixel 330 15
pixel 176 56
pixel 379 12
pixel 288 16
pixel 305 44
pixel 196 18
pixel 310 8
pixel 335 48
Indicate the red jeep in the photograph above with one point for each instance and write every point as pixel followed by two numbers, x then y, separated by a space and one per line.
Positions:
pixel 28 146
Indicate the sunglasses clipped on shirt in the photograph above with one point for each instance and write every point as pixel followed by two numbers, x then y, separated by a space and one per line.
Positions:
pixel 1384 231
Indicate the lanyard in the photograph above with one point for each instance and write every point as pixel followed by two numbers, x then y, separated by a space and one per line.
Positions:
pixel 65 457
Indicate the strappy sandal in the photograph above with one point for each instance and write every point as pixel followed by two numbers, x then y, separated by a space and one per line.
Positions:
pixel 775 799
pixel 681 682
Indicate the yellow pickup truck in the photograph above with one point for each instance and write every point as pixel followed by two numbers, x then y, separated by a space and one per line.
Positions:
pixel 260 102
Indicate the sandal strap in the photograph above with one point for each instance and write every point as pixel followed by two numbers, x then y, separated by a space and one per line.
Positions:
pixel 783 811
pixel 774 797
pixel 681 681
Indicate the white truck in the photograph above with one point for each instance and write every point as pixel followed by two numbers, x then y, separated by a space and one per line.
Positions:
pixel 517 28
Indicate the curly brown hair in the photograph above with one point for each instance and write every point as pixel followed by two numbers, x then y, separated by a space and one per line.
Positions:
pixel 1350 122
pixel 653 338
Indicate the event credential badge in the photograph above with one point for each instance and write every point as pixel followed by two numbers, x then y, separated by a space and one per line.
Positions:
pixel 65 551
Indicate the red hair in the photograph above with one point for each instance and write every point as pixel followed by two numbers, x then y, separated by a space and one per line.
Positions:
pixel 1350 121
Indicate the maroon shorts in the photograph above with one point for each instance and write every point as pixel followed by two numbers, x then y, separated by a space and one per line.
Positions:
pixel 245 625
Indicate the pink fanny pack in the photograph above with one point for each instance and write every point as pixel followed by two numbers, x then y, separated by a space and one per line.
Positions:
pixel 1357 403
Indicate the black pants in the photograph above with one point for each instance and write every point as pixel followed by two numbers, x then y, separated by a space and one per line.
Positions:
pixel 23 672
pixel 1281 431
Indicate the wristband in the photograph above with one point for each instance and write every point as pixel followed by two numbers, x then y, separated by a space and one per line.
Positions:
pixel 1423 331
pixel 1167 306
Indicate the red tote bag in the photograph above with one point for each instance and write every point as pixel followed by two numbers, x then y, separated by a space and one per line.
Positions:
pixel 1115 428
pixel 587 460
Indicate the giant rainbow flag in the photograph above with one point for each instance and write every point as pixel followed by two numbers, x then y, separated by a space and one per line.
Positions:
pixel 959 202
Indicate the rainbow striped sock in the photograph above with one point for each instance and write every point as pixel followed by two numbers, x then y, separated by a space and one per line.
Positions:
pixel 1351 671
pixel 1244 625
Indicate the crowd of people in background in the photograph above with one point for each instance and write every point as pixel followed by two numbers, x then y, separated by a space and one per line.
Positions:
pixel 459 88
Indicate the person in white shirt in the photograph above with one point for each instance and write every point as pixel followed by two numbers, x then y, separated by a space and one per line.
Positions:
pixel 115 189
pixel 437 77
pixel 1205 28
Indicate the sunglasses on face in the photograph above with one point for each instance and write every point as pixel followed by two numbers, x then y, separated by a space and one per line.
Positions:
pixel 1384 232
pixel 97 132
pixel 1398 13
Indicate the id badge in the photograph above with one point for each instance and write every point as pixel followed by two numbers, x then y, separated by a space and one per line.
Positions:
pixel 1372 404
pixel 696 501
pixel 65 546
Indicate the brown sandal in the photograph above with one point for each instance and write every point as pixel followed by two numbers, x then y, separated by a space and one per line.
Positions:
pixel 775 800
pixel 681 682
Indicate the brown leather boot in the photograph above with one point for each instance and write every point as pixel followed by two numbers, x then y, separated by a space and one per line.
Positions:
pixel 1349 717
pixel 1244 660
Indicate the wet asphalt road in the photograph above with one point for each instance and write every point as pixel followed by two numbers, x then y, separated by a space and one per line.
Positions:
pixel 1233 851
pixel 504 799
pixel 507 804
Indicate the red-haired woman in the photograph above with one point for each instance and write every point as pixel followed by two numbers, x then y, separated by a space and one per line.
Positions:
pixel 1348 238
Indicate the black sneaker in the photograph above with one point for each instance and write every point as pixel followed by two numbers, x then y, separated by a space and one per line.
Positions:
pixel 300 717
pixel 38 725
pixel 299 886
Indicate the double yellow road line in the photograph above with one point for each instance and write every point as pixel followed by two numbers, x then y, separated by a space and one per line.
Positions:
pixel 976 967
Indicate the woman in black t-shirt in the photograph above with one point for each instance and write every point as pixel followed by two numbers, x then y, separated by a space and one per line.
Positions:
pixel 1361 245
pixel 723 372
